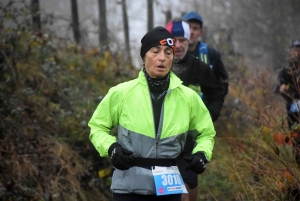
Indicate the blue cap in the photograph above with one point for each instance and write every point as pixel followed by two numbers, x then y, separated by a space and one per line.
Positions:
pixel 192 16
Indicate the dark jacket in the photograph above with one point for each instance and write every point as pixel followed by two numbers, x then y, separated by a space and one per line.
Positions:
pixel 197 73
pixel 194 72
pixel 291 77
pixel 217 65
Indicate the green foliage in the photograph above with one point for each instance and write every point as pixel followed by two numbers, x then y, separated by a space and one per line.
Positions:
pixel 48 93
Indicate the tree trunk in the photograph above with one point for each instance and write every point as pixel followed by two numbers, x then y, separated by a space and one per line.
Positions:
pixel 168 15
pixel 103 37
pixel 126 31
pixel 150 14
pixel 75 20
pixel 35 12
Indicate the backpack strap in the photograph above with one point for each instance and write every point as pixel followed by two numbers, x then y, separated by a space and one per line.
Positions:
pixel 203 53
pixel 203 56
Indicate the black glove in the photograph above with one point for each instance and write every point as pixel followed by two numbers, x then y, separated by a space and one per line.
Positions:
pixel 120 156
pixel 196 162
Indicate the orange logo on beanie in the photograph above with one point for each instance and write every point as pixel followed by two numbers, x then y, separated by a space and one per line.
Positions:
pixel 169 42
pixel 157 36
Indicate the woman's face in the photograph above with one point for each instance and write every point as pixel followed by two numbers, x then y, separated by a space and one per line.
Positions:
pixel 158 61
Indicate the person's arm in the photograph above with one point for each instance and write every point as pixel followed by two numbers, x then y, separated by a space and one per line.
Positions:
pixel 283 85
pixel 282 88
pixel 202 128
pixel 213 91
pixel 279 82
pixel 104 118
pixel 219 68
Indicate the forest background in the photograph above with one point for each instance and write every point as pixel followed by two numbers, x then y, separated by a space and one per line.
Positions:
pixel 58 59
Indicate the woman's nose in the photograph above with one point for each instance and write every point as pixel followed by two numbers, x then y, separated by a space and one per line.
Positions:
pixel 162 56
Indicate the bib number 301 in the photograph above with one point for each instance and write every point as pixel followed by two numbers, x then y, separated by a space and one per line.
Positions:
pixel 168 180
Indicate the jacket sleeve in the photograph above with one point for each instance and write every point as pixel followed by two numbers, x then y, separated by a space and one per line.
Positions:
pixel 218 68
pixel 279 82
pixel 214 92
pixel 282 76
pixel 104 118
pixel 283 79
pixel 202 125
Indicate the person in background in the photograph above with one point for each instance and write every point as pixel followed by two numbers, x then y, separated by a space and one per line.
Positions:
pixel 198 76
pixel 204 52
pixel 288 88
pixel 154 113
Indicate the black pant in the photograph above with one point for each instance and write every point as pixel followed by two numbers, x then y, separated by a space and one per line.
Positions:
pixel 138 197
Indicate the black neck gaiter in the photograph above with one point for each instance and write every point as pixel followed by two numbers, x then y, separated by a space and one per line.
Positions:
pixel 158 90
pixel 157 84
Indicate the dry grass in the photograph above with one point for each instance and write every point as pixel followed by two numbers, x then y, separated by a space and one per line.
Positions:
pixel 247 163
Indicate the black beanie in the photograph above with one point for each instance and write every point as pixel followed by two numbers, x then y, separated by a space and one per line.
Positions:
pixel 157 36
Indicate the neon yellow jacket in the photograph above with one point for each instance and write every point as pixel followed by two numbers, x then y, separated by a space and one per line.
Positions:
pixel 128 106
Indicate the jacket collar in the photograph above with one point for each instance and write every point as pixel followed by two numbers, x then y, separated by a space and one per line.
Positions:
pixel 174 80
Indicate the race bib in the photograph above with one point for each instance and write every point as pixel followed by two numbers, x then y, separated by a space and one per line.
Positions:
pixel 295 106
pixel 168 180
